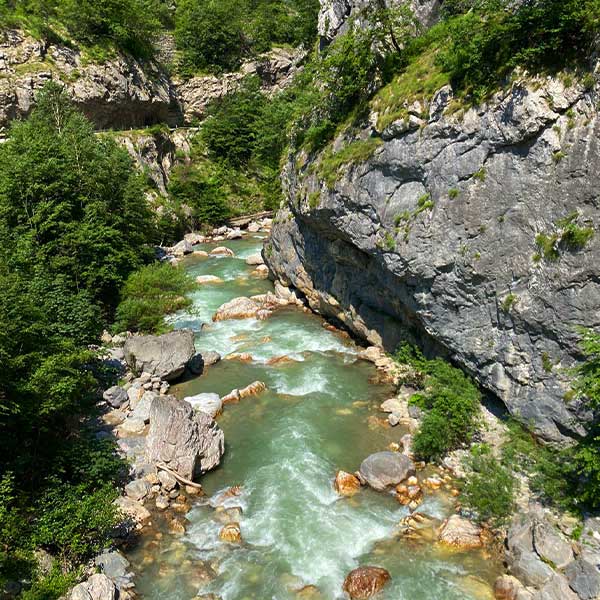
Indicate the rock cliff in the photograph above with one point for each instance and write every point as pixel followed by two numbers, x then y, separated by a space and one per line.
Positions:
pixel 464 229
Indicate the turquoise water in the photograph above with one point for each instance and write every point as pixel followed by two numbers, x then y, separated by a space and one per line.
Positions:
pixel 283 448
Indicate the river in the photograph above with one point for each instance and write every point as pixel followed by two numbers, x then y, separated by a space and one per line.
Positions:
pixel 283 447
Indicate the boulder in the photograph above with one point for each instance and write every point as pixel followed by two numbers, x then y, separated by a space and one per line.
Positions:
pixel 112 564
pixel 385 469
pixel 182 248
pixel 132 425
pixel 167 480
pixel 461 533
pixel 507 587
pixel 143 407
pixel 234 234
pixel 238 308
pixel 222 251
pixel 164 355
pixel 211 404
pixel 187 441
pixel 209 357
pixel 346 484
pixel 584 579
pixel 116 396
pixel 133 509
pixel 137 489
pixel 556 589
pixel 530 569
pixel 551 546
pixel 365 582
pixel 255 260
pixel 97 587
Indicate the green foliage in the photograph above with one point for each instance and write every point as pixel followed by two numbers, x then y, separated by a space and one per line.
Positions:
pixel 453 193
pixel 489 487
pixel 217 35
pixel 509 302
pixel 489 38
pixel 450 400
pixel 547 245
pixel 129 25
pixel 73 226
pixel 151 293
pixel 570 236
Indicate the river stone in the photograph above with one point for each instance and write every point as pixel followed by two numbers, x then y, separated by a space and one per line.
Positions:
pixel 97 587
pixel 238 308
pixel 133 509
pixel 134 393
pixel 182 248
pixel 255 260
pixel 346 484
pixel 208 279
pixel 365 582
pixel 209 357
pixel 222 251
pixel 530 569
pixel 132 425
pixel 385 469
pixel 556 589
pixel 507 587
pixel 584 579
pixel 167 480
pixel 211 404
pixel 165 355
pixel 113 564
pixel 231 533
pixel 459 532
pixel 115 396
pixel 551 546
pixel 187 441
pixel 137 489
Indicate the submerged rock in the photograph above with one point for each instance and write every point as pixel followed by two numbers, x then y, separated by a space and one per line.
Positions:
pixel 187 441
pixel 231 533
pixel 204 279
pixel 164 355
pixel 255 260
pixel 386 469
pixel 365 582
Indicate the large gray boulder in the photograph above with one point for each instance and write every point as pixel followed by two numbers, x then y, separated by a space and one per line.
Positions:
pixel 384 469
pixel 556 589
pixel 97 587
pixel 584 579
pixel 551 546
pixel 528 568
pixel 185 440
pixel 163 355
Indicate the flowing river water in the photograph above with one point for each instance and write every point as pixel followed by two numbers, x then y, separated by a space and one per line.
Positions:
pixel 319 414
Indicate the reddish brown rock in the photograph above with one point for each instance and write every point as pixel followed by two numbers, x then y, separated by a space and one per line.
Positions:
pixel 231 533
pixel 460 533
pixel 365 582
pixel 346 484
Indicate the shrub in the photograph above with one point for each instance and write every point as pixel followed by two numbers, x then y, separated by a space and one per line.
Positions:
pixel 489 487
pixel 451 403
pixel 149 294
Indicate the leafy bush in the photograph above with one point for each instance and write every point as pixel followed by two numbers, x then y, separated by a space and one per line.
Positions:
pixel 489 487
pixel 149 294
pixel 217 35
pixel 451 402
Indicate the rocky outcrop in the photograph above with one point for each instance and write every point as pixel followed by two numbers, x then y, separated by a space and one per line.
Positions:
pixel 97 587
pixel 165 356
pixel 156 152
pixel 439 237
pixel 275 70
pixel 336 15
pixel 119 93
pixel 187 441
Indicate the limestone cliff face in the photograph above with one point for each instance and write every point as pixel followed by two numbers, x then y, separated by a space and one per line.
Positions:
pixel 433 237
pixel 335 15
pixel 122 92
